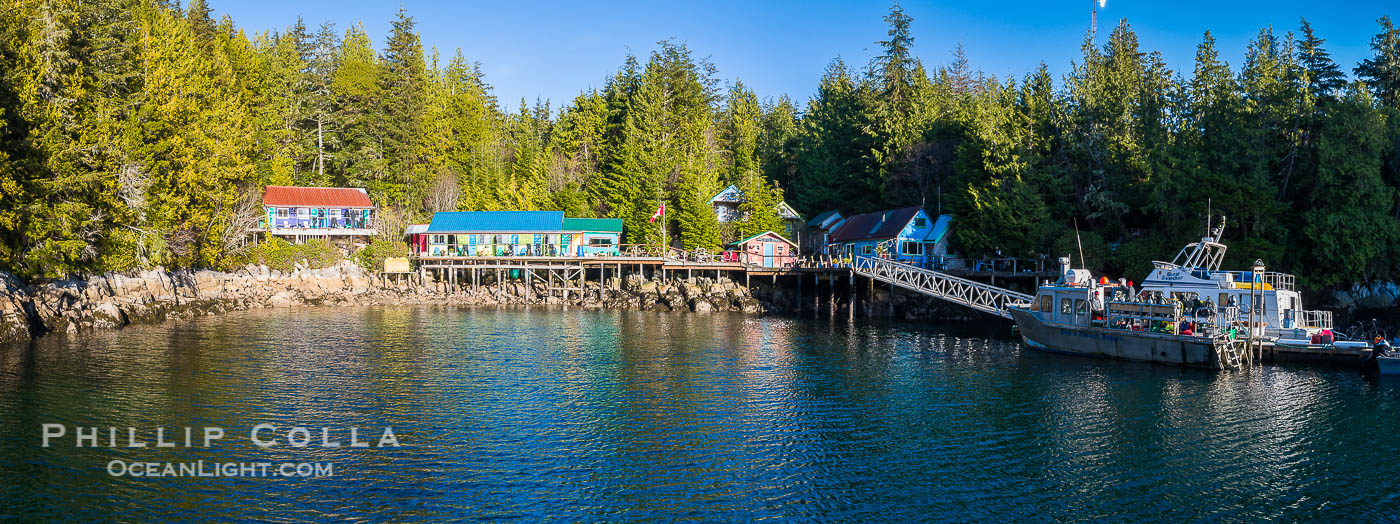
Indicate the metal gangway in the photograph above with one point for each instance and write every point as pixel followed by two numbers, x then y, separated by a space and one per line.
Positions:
pixel 970 293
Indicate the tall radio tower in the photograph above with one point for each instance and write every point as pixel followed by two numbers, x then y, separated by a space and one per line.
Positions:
pixel 1094 8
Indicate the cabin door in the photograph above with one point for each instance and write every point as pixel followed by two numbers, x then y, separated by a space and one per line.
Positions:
pixel 767 254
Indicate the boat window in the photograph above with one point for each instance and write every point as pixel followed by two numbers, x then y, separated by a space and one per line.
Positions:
pixel 1079 306
pixel 1046 303
pixel 1065 306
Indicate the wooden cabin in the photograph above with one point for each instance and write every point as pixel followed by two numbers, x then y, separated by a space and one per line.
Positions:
pixel 818 230
pixel 905 235
pixel 766 249
pixel 593 236
pixel 300 213
pixel 726 205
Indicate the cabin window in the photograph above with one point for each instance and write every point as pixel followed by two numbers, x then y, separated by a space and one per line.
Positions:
pixel 1224 300
pixel 600 242
pixel 281 212
pixel 439 239
pixel 920 222
pixel 911 248
pixel 1065 306
pixel 1079 306
pixel 1044 304
pixel 867 249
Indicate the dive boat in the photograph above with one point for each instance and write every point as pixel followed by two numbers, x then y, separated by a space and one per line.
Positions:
pixel 1077 315
pixel 1188 312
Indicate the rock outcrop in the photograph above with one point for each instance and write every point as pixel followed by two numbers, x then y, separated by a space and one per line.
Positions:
pixel 115 300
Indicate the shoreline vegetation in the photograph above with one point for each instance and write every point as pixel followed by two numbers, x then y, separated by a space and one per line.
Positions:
pixel 136 134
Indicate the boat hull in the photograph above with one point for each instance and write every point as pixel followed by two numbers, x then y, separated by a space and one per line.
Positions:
pixel 1113 343
pixel 1388 365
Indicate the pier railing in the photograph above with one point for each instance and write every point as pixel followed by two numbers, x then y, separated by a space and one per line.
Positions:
pixel 970 293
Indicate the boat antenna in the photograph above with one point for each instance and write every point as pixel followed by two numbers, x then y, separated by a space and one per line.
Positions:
pixel 1208 215
pixel 1081 243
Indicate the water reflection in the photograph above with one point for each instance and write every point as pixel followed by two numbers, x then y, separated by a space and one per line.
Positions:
pixel 573 415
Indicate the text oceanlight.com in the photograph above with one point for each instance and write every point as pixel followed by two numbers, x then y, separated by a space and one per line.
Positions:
pixel 201 468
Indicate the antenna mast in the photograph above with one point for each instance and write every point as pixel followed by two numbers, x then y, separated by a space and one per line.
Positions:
pixel 1081 244
pixel 1094 7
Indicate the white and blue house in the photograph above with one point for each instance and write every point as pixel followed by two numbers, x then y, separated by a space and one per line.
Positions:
pixel 906 235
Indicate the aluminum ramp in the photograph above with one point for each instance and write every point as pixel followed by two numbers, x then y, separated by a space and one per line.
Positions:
pixel 976 295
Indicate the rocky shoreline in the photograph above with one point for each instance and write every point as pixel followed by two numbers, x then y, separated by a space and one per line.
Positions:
pixel 114 300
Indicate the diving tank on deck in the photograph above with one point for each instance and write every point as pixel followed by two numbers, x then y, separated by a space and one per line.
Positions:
pixel 1073 277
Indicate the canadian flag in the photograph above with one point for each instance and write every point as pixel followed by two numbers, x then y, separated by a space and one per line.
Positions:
pixel 660 213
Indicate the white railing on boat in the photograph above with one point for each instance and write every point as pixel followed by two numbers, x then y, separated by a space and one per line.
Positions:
pixel 1315 319
pixel 1275 280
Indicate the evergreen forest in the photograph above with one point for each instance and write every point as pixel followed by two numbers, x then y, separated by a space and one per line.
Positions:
pixel 139 133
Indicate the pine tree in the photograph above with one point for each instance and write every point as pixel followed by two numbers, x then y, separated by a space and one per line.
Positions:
pixel 1381 72
pixel 402 83
pixel 1325 79
pixel 778 141
pixel 355 84
pixel 741 132
pixel 1346 221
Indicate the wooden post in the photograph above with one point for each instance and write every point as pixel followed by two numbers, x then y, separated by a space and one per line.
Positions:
pixel 799 293
pixel 851 276
pixel 529 283
pixel 891 299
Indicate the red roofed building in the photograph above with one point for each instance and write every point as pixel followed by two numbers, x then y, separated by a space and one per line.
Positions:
pixel 300 213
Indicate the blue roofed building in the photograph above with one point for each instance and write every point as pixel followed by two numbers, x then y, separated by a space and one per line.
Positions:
pixel 518 233
pixel 818 229
pixel 906 235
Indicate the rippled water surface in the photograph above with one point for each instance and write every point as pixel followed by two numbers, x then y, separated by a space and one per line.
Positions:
pixel 576 415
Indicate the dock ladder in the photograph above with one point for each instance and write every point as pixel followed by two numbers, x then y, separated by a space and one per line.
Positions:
pixel 976 295
pixel 1231 349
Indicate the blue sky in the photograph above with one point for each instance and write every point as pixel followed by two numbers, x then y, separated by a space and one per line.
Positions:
pixel 555 49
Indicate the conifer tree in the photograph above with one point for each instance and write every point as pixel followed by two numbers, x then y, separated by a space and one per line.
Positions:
pixel 356 87
pixel 402 84
pixel 1381 72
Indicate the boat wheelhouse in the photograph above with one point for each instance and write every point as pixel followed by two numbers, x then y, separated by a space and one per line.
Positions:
pixel 1272 297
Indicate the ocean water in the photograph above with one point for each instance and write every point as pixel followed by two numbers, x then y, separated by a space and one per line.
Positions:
pixel 617 416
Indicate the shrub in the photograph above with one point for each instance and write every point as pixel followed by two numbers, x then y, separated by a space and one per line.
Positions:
pixel 372 256
pixel 282 255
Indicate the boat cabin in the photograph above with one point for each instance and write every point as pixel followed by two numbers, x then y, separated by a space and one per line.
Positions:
pixel 1270 295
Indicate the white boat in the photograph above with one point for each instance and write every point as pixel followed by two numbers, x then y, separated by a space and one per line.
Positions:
pixel 1188 312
